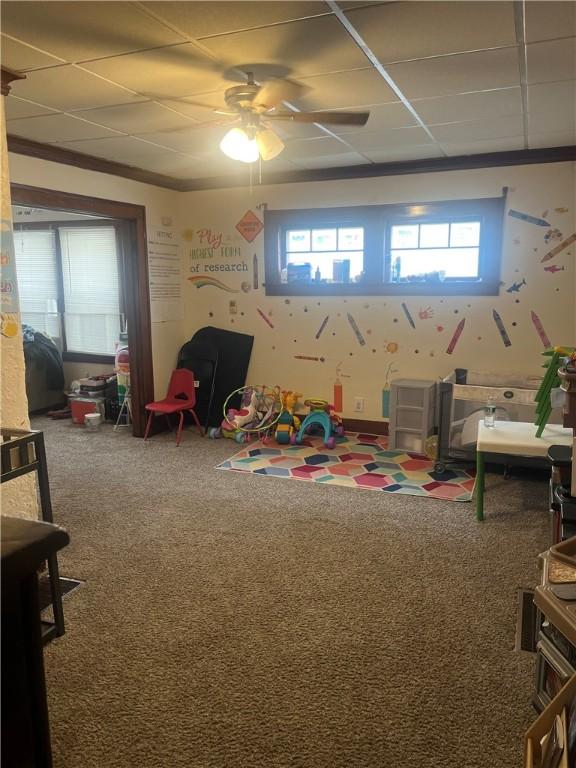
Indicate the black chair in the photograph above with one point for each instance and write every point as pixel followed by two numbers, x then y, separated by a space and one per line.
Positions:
pixel 201 357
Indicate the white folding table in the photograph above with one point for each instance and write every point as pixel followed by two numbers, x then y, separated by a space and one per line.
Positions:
pixel 513 438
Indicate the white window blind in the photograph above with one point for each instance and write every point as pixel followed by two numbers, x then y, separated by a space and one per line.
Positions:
pixel 37 272
pixel 91 289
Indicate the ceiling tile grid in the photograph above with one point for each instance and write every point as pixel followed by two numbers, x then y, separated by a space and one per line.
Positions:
pixel 141 81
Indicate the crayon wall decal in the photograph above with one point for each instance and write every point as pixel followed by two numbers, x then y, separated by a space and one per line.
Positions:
pixel 322 326
pixel 501 329
pixel 338 398
pixel 408 315
pixel 310 357
pixel 527 218
pixel 540 329
pixel 559 248
pixel 455 336
pixel 255 272
pixel 263 316
pixel 356 330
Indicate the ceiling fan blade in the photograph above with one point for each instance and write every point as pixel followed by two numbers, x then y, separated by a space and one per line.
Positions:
pixel 274 92
pixel 325 118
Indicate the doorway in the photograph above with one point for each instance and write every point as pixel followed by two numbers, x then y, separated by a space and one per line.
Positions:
pixel 131 233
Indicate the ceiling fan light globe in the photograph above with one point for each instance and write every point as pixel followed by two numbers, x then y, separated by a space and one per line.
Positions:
pixel 269 144
pixel 238 146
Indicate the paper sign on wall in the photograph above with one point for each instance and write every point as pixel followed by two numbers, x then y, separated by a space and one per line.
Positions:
pixel 165 276
pixel 249 226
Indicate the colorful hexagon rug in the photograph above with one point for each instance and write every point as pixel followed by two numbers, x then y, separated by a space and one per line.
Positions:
pixel 357 461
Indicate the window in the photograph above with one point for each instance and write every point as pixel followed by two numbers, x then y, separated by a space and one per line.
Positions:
pixel 69 285
pixel 432 248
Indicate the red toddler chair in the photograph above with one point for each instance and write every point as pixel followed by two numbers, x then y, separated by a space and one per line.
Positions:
pixel 181 396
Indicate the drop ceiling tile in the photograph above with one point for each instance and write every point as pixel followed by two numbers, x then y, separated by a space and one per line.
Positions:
pixel 121 149
pixel 462 73
pixel 78 31
pixel 453 149
pixel 22 58
pixel 300 48
pixel 177 70
pixel 397 154
pixel 548 20
pixel 469 106
pixel 18 108
pixel 540 122
pixel 299 150
pixel 144 117
pixel 552 106
pixel 382 116
pixel 345 89
pixel 378 140
pixel 199 19
pixel 53 128
pixel 331 161
pixel 199 108
pixel 551 139
pixel 552 97
pixel 552 60
pixel 191 141
pixel 415 30
pixel 478 130
pixel 67 88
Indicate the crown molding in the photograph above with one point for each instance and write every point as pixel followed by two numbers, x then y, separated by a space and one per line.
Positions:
pixel 56 154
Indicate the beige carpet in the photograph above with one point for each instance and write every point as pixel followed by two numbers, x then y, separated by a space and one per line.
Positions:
pixel 228 621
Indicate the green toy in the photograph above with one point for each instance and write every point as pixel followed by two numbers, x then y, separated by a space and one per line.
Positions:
pixel 549 382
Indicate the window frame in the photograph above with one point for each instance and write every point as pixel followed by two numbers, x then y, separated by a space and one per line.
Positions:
pixel 75 356
pixel 377 221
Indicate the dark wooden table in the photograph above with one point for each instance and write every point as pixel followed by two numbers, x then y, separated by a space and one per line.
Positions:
pixel 25 545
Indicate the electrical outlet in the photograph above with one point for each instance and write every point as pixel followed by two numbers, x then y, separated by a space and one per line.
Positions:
pixel 358 404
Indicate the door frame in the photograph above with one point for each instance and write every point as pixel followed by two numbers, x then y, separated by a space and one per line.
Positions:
pixel 136 287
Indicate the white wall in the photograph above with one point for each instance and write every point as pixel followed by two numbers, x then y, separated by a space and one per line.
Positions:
pixel 535 189
pixel 159 203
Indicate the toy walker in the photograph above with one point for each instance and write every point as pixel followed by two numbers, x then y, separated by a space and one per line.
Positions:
pixel 322 418
pixel 260 409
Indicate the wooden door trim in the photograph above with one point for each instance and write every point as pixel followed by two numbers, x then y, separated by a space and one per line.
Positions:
pixel 136 280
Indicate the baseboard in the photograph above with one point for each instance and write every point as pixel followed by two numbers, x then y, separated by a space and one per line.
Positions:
pixel 366 427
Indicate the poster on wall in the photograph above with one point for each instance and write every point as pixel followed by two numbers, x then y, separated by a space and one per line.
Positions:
pixel 165 276
pixel 9 305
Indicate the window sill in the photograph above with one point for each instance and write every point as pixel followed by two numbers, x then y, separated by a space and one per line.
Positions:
pixel 87 357
pixel 384 289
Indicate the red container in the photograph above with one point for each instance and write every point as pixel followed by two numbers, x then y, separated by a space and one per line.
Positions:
pixel 80 406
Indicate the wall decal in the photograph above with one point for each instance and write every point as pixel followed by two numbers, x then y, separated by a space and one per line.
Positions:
pixel 263 316
pixel 439 328
pixel 356 330
pixel 209 238
pixel 188 235
pixel 559 248
pixel 255 272
pixel 551 235
pixel 515 287
pixel 561 210
pixel 249 226
pixel 246 287
pixel 233 307
pixel 554 268
pixel 201 281
pixel 528 218
pixel 408 315
pixel 319 332
pixel 390 370
pixel 425 314
pixel 455 336
pixel 540 329
pixel 392 347
pixel 501 329
pixel 310 357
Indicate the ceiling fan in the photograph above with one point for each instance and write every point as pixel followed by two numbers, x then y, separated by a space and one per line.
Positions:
pixel 253 106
